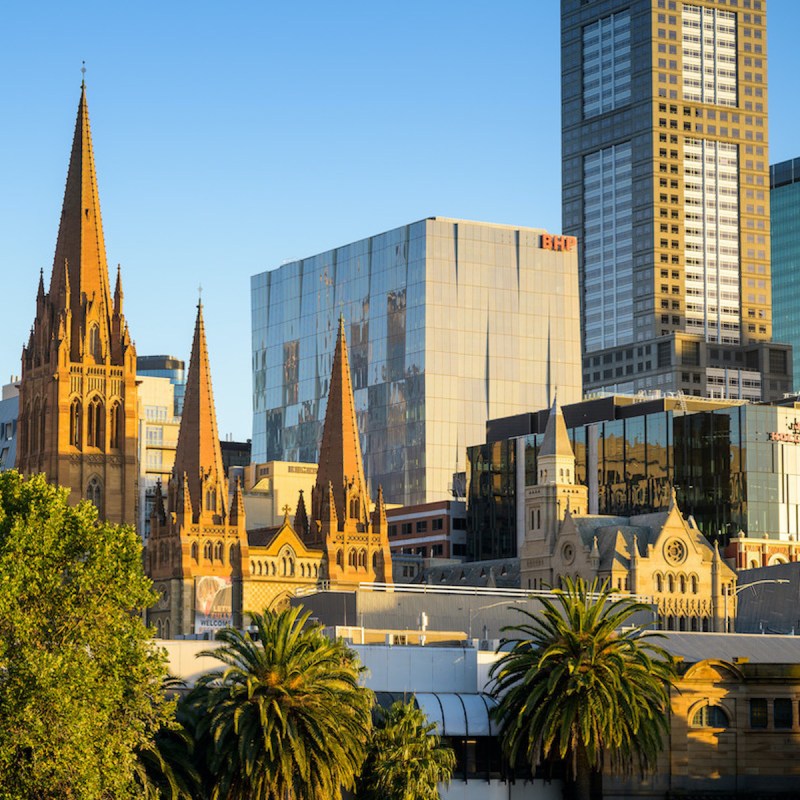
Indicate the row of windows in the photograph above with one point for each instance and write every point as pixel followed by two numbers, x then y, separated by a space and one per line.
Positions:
pixel 783 716
pixel 285 567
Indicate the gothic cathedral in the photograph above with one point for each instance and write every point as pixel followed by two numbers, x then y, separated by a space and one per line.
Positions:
pixel 78 387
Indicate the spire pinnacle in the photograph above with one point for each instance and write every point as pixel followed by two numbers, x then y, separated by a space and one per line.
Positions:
pixel 340 457
pixel 556 439
pixel 199 451
pixel 80 242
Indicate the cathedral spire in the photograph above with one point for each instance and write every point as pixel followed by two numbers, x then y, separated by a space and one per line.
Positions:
pixel 340 449
pixel 80 242
pixel 199 454
pixel 556 439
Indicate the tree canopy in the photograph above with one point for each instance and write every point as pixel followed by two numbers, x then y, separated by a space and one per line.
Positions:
pixel 582 683
pixel 286 718
pixel 405 759
pixel 80 677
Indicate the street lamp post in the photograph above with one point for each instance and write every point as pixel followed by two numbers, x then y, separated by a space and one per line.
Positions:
pixel 473 612
pixel 745 586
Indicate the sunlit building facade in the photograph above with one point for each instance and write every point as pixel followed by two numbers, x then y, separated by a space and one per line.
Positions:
pixel 449 323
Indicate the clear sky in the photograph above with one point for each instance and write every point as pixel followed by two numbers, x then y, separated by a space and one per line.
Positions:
pixel 232 137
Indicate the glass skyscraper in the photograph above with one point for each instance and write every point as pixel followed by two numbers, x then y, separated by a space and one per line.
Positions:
pixel 449 323
pixel 665 186
pixel 784 182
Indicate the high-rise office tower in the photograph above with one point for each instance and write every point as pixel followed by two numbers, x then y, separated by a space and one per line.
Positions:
pixel 784 200
pixel 666 185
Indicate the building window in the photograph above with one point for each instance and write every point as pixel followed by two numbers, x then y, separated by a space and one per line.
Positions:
pixel 606 64
pixel 783 713
pixel 75 417
pixel 95 348
pixel 422 526
pixel 114 424
pixel 94 423
pixel 437 524
pixel 94 493
pixel 758 713
pixel 710 717
pixel 393 530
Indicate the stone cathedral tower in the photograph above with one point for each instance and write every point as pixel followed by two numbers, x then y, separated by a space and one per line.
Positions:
pixel 354 540
pixel 78 387
pixel 197 540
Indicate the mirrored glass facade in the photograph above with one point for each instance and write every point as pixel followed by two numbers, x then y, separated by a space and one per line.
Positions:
pixel 448 323
pixel 784 198
pixel 734 468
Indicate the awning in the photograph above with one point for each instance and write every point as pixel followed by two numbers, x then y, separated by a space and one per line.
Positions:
pixel 455 713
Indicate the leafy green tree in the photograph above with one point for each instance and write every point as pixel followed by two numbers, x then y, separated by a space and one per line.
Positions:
pixel 579 687
pixel 287 719
pixel 80 677
pixel 405 759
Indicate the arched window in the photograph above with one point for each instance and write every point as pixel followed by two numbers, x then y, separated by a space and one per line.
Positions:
pixel 115 425
pixel 232 554
pixel 682 583
pixel 273 568
pixel 158 628
pixel 94 493
pixel 339 558
pixel 362 558
pixel 195 552
pixel 351 558
pixel 42 426
pixel 219 552
pixel 211 500
pixel 95 348
pixel 207 551
pixel 75 417
pixel 283 566
pixel 375 560
pixel 34 444
pixel 710 717
pixel 659 583
pixel 694 584
pixel 166 629
pixel 94 423
pixel 670 584
pixel 291 566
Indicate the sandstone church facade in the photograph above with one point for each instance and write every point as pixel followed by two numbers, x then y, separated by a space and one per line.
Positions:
pixel 208 570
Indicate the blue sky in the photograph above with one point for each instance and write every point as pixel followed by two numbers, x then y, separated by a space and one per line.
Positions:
pixel 230 138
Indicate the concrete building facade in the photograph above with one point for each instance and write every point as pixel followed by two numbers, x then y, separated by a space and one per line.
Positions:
pixel 449 323
pixel 665 183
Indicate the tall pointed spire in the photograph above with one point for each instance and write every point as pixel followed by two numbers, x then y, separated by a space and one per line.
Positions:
pixel 340 448
pixel 556 439
pixel 80 242
pixel 199 452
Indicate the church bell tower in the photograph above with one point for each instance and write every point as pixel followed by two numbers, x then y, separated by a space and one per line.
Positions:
pixel 77 401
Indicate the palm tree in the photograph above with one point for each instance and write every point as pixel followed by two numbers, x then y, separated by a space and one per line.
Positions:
pixel 576 686
pixel 286 719
pixel 165 768
pixel 405 760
